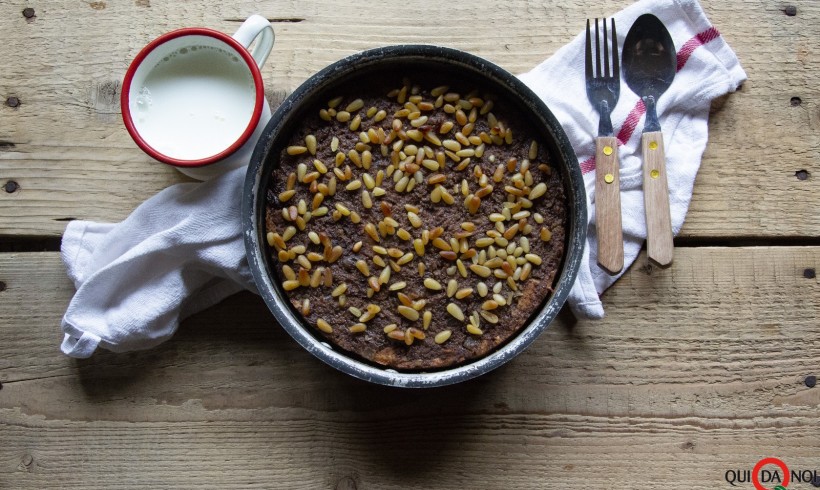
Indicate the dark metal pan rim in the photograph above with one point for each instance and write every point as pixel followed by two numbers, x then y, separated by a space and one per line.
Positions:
pixel 256 182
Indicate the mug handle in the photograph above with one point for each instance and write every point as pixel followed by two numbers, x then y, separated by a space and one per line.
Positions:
pixel 256 26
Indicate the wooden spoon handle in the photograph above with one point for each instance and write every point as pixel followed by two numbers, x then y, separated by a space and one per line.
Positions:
pixel 608 205
pixel 659 244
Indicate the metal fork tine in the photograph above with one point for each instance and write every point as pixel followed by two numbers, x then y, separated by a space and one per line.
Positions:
pixel 588 54
pixel 606 52
pixel 597 51
pixel 616 63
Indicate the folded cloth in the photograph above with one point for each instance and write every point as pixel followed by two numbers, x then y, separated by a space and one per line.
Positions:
pixel 707 68
pixel 178 253
pixel 182 250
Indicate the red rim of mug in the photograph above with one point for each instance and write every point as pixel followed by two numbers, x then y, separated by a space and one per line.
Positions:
pixel 132 69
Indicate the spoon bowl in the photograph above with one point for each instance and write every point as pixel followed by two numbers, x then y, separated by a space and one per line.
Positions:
pixel 649 58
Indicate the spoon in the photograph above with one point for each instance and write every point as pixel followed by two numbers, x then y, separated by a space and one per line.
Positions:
pixel 649 63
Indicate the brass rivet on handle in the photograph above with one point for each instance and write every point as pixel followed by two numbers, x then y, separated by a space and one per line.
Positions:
pixel 654 173
pixel 609 178
pixel 653 145
pixel 607 150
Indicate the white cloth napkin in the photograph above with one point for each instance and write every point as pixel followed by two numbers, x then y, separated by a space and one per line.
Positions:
pixel 182 250
pixel 178 253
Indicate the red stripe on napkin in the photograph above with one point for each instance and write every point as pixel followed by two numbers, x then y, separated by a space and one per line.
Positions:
pixel 631 122
pixel 691 45
pixel 634 117
pixel 588 165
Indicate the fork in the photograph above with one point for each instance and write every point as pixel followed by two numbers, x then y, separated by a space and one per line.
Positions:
pixel 603 89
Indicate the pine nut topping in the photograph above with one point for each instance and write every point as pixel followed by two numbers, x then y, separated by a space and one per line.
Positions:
pixel 324 326
pixel 538 191
pixel 443 336
pixel 431 283
pixel 477 228
pixel 426 318
pixel 481 270
pixel 362 266
pixel 455 311
pixel 408 313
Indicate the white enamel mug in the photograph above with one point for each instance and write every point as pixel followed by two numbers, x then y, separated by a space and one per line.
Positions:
pixel 194 98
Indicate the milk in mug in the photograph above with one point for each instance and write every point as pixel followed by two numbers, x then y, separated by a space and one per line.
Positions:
pixel 195 102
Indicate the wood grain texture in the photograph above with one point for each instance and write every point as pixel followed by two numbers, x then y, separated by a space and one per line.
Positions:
pixel 608 205
pixel 659 246
pixel 696 370
pixel 65 146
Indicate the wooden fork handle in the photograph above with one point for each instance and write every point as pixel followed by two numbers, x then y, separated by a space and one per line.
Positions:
pixel 659 244
pixel 608 205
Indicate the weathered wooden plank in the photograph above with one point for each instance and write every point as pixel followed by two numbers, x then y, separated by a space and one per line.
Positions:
pixel 341 451
pixel 697 369
pixel 65 148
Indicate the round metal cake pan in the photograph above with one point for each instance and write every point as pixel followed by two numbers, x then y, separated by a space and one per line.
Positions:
pixel 409 59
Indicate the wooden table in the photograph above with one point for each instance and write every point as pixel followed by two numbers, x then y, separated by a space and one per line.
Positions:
pixel 697 370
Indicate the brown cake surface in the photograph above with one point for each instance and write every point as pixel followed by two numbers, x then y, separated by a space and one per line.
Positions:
pixel 416 225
